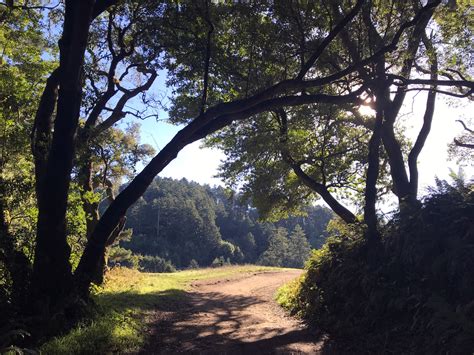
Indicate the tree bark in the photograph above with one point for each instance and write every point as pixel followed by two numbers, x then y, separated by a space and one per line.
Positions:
pixel 346 215
pixel 42 130
pixel 52 271
pixel 373 158
pixel 427 120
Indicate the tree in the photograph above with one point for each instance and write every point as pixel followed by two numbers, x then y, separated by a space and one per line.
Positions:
pixel 462 146
pixel 54 155
pixel 284 250
pixel 23 67
pixel 291 167
pixel 277 252
pixel 176 220
pixel 62 100
pixel 206 122
pixel 299 249
pixel 276 61
pixel 267 95
pixel 182 221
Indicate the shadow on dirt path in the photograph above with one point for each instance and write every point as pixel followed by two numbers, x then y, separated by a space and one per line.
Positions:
pixel 233 316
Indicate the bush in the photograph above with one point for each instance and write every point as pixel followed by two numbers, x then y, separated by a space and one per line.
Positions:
pixel 150 263
pixel 220 261
pixel 193 264
pixel 119 256
pixel 417 297
pixel 287 294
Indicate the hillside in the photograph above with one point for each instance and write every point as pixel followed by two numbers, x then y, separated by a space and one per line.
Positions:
pixel 186 224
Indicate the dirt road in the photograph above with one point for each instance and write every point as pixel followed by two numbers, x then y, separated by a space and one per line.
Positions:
pixel 233 316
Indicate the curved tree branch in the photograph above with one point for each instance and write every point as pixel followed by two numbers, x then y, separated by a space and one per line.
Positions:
pixel 321 189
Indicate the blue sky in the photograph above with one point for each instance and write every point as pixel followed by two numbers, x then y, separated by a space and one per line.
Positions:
pixel 192 163
pixel 200 165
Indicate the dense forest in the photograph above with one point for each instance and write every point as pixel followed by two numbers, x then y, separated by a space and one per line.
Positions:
pixel 192 225
pixel 308 101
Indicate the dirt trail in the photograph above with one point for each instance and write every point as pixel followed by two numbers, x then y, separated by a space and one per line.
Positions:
pixel 233 316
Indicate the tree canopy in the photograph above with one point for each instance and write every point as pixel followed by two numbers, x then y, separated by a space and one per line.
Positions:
pixel 278 85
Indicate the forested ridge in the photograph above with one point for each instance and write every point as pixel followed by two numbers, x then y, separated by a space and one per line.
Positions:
pixel 308 100
pixel 193 225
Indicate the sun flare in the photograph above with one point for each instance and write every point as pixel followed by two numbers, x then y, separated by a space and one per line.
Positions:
pixel 366 110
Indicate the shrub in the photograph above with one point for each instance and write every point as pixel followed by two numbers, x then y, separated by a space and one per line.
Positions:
pixel 418 295
pixel 150 263
pixel 119 256
pixel 287 294
pixel 220 261
pixel 193 264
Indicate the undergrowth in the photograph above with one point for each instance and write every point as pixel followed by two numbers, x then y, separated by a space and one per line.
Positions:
pixel 125 306
pixel 418 297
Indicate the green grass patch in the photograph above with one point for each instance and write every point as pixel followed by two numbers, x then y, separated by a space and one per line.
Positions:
pixel 125 305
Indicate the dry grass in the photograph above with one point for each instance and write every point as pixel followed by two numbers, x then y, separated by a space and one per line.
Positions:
pixel 125 305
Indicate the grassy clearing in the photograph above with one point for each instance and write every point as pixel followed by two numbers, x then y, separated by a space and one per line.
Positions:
pixel 125 305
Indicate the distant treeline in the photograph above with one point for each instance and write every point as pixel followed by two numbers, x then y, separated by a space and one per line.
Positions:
pixel 184 224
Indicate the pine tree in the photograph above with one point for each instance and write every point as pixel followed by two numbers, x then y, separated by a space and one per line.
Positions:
pixel 277 251
pixel 299 248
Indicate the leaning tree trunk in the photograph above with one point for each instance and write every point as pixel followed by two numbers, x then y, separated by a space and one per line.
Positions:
pixel 98 276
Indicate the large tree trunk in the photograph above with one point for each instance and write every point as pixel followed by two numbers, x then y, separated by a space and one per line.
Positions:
pixel 373 159
pixel 52 270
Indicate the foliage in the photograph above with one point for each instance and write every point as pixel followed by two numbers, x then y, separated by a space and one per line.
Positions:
pixel 417 296
pixel 220 261
pixel 182 221
pixel 324 139
pixel 259 53
pixel 119 256
pixel 150 263
pixel 176 221
pixel 462 147
pixel 25 60
pixel 116 153
pixel 193 264
pixel 75 224
pixel 299 249
pixel 286 295
pixel 275 255
pixel 125 304
pixel 288 251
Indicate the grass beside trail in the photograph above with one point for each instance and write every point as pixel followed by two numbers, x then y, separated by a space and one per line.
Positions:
pixel 125 305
